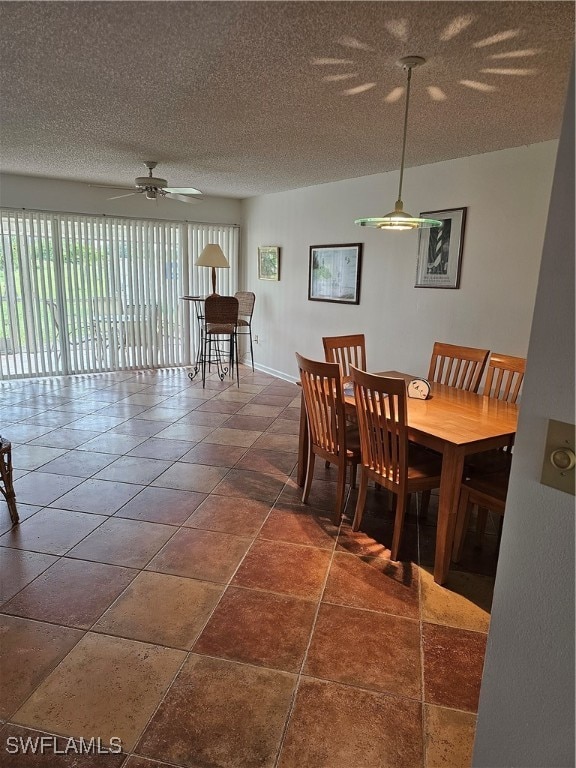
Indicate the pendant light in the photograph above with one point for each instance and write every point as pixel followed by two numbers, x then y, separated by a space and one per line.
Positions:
pixel 399 219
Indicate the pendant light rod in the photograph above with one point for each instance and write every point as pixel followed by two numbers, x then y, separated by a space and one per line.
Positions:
pixel 399 219
pixel 409 78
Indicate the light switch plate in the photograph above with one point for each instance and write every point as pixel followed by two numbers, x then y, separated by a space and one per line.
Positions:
pixel 560 436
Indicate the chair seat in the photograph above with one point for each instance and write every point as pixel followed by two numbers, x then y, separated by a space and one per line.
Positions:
pixel 423 462
pixel 424 471
pixel 423 465
pixel 219 328
pixel 352 440
pixel 487 462
pixel 495 485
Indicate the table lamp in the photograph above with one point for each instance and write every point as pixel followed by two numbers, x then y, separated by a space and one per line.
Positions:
pixel 212 256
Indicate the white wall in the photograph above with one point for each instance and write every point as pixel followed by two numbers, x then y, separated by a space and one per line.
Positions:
pixel 526 713
pixel 507 195
pixel 53 195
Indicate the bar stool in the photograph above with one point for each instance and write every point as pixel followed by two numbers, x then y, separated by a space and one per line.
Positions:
pixel 6 485
pixel 246 300
pixel 220 319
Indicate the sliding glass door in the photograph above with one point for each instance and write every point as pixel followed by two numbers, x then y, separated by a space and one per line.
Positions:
pixel 84 293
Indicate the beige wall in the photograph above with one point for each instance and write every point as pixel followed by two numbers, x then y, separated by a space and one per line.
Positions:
pixel 507 195
pixel 53 195
pixel 526 712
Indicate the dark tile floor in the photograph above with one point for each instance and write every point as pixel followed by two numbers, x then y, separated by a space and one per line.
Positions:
pixel 166 586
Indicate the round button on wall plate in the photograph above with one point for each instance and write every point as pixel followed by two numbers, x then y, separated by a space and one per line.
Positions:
pixel 563 459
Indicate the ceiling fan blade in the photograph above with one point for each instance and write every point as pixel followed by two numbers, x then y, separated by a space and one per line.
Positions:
pixel 117 197
pixel 182 198
pixel 182 190
pixel 108 186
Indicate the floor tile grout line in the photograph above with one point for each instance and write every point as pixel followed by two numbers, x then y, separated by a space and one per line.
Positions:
pixel 367 689
pixel 53 669
pixel 292 704
pixel 188 653
pixel 83 479
pixel 421 637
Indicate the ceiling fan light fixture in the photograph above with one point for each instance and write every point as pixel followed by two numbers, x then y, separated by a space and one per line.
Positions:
pixel 150 181
pixel 152 188
pixel 399 219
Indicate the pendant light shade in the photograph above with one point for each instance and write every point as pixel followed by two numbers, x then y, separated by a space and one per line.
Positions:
pixel 399 219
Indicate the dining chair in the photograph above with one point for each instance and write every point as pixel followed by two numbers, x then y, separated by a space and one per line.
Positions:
pixel 142 324
pixel 246 301
pixel 486 492
pixel 76 336
pixel 460 367
pixel 346 351
pixel 6 483
pixel 387 457
pixel 220 318
pixel 504 377
pixel 107 323
pixel 328 434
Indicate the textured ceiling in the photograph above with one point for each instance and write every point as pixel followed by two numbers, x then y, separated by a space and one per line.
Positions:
pixel 246 98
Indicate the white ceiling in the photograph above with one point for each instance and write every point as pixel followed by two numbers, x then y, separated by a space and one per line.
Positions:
pixel 246 98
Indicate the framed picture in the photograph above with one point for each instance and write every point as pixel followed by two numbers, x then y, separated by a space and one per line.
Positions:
pixel 440 250
pixel 334 273
pixel 269 262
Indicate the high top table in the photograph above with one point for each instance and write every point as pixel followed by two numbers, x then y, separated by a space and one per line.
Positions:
pixel 198 302
pixel 455 423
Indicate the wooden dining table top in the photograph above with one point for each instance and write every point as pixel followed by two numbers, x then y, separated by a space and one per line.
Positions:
pixel 455 415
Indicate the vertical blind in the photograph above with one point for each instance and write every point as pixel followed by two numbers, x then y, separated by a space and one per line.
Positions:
pixel 81 294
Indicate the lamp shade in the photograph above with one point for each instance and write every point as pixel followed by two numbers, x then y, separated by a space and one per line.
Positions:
pixel 212 256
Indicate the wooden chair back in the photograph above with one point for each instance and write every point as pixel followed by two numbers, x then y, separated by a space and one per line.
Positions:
pixel 460 367
pixel 381 413
pixel 504 377
pixel 322 391
pixel 347 351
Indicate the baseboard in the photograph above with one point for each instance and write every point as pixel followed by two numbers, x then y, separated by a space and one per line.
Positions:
pixel 272 371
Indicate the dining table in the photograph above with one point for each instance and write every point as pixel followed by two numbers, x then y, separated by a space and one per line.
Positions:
pixel 453 422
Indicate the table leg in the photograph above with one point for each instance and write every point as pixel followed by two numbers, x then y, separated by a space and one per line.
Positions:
pixel 199 346
pixel 451 477
pixel 302 444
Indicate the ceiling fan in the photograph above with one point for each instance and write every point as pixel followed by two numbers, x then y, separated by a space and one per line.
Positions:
pixel 153 188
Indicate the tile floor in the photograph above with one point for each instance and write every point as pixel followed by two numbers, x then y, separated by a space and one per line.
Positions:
pixel 165 586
